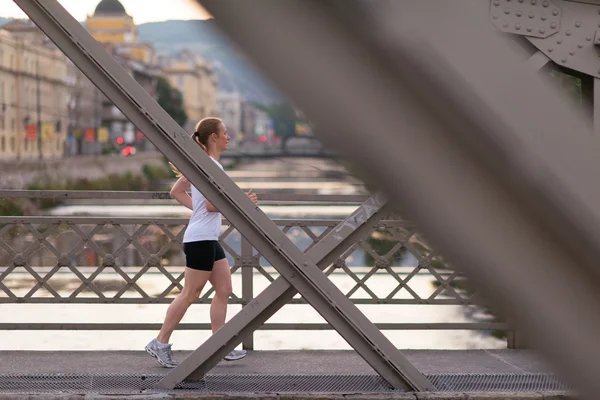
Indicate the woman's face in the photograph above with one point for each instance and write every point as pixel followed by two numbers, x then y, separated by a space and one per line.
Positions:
pixel 222 138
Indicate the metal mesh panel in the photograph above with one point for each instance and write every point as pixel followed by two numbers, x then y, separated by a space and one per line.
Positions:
pixel 244 383
pixel 497 383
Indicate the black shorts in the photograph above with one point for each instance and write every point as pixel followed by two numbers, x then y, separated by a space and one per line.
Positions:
pixel 202 255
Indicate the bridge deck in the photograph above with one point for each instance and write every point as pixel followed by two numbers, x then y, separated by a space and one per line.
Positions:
pixel 511 374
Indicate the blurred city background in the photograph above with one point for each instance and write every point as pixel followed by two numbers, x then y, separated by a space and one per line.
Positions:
pixel 59 132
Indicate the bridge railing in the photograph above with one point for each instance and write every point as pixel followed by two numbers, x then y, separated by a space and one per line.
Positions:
pixel 120 260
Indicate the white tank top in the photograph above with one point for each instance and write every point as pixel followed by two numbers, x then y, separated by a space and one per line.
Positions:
pixel 203 225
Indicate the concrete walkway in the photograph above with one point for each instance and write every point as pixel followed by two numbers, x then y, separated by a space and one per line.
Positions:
pixel 474 364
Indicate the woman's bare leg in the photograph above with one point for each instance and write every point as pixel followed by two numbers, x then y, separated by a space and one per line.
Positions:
pixel 194 282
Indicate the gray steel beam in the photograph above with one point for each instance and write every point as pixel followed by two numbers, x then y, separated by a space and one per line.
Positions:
pixel 89 56
pixel 278 294
pixel 537 61
pixel 277 198
pixel 596 103
pixel 505 186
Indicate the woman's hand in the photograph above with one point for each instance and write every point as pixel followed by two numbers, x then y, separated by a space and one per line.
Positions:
pixel 252 196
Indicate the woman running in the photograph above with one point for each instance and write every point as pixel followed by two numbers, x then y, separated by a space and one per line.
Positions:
pixel 205 258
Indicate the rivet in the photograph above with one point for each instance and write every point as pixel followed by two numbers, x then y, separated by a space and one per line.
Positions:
pixel 542 30
pixel 555 12
pixel 529 29
pixel 553 25
pixel 531 15
pixel 589 38
pixel 505 25
pixel 545 4
pixel 572 53
pixel 580 46
pixel 496 3
pixel 577 24
pixel 568 33
pixel 534 2
pixel 518 27
pixel 520 1
pixel 563 59
pixel 559 41
pixel 544 17
pixel 519 13
pixel 507 11
pixel 494 17
pixel 550 49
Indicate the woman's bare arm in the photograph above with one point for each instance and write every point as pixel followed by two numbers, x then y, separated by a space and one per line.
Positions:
pixel 179 192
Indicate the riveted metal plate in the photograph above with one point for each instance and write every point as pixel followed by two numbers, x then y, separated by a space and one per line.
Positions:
pixel 532 18
pixel 574 46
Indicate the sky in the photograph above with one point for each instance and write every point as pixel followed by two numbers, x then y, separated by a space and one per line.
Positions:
pixel 142 11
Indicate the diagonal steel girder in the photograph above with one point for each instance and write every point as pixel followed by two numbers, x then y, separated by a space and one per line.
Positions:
pixel 480 153
pixel 279 293
pixel 296 267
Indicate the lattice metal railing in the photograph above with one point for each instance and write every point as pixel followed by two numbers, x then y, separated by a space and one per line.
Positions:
pixel 67 260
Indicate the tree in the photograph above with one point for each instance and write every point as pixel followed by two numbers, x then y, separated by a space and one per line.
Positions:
pixel 283 116
pixel 171 100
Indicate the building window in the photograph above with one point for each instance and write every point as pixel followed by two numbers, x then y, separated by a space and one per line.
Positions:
pixel 12 124
pixel 12 144
pixel 3 144
pixel 26 144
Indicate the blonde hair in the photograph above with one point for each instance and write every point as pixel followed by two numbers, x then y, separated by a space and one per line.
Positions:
pixel 204 129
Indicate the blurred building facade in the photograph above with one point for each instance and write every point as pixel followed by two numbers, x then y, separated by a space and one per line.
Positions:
pixel 197 82
pixel 34 94
pixel 244 121
pixel 73 116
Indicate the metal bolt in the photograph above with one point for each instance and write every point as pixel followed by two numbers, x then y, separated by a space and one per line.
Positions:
pixel 544 17
pixel 546 4
pixel 529 29
pixel 589 38
pixel 553 25
pixel 577 24
pixel 520 1
pixel 507 11
pixel 518 27
pixel 496 3
pixel 580 45
pixel 550 49
pixel 555 12
pixel 534 2
pixel 563 59
pixel 494 17
pixel 572 53
pixel 559 41
pixel 568 33
pixel 542 30
pixel 531 15
pixel 505 25
pixel 519 13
